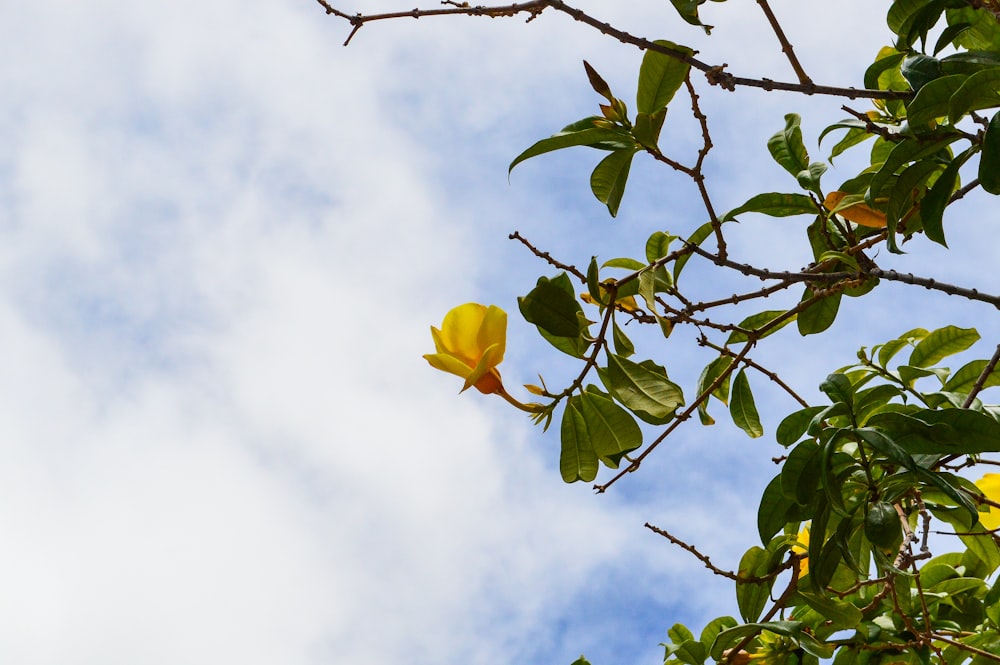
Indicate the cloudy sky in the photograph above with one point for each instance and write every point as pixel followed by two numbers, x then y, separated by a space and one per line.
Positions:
pixel 224 237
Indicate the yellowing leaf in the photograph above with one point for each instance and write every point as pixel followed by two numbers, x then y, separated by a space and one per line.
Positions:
pixel 859 213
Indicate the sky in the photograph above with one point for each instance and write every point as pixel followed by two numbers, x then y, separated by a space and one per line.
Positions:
pixel 223 239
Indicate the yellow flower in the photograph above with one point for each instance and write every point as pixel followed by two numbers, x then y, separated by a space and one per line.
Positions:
pixel 990 486
pixel 471 344
pixel 801 547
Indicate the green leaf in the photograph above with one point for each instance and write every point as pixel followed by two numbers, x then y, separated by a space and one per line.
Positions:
pixel 937 198
pixel 980 91
pixel 624 263
pixel 609 178
pixel 857 132
pixel 623 345
pixel 582 133
pixel 712 630
pixel 820 315
pixel 644 389
pixel 965 378
pixel 910 150
pixel 743 409
pixel 898 455
pixel 838 388
pixel 989 162
pixel 980 542
pixel 773 510
pixel 942 343
pixel 919 70
pixel 889 62
pixel 696 238
pixel 906 189
pixel 690 652
pixel 800 472
pixel 794 425
pixel 688 9
pixel 708 376
pixel 944 431
pixel 787 148
pixel 751 597
pixel 647 126
pixel 912 19
pixel 552 306
pixel 594 282
pixel 791 629
pixel 658 245
pixel 757 321
pixel 581 661
pixel 983 32
pixel 775 204
pixel 660 76
pixel 933 99
pixel 809 178
pixel 613 433
pixel 577 459
pixel 843 614
pixel 679 633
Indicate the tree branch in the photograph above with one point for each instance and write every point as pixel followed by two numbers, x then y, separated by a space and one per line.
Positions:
pixel 715 74
pixel 981 381
pixel 786 46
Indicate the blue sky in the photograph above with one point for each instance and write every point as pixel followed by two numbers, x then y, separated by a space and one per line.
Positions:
pixel 224 238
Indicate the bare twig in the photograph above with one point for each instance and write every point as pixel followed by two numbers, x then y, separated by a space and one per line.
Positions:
pixel 545 256
pixel 750 363
pixel 715 74
pixel 983 377
pixel 786 46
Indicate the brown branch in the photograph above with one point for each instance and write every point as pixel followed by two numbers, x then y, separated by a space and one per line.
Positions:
pixel 737 298
pixel 687 413
pixel 932 284
pixel 981 381
pixel 786 46
pixel 704 341
pixel 701 557
pixel 971 649
pixel 545 256
pixel 891 275
pixel 715 74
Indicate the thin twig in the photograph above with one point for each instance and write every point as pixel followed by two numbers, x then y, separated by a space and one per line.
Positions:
pixel 983 377
pixel 715 74
pixel 545 256
pixel 786 46
pixel 750 363
pixel 708 562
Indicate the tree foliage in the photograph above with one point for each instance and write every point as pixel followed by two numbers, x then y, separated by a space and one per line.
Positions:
pixel 844 569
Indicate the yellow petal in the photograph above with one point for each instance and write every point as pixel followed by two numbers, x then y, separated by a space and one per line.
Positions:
pixel 448 363
pixel 460 332
pixel 487 364
pixel 990 486
pixel 802 547
pixel 493 333
pixel 859 213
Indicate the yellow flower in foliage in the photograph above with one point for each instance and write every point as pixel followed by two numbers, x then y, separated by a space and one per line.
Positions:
pixel 801 547
pixel 990 486
pixel 859 213
pixel 471 344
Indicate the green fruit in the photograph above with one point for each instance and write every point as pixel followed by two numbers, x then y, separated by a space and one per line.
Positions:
pixel 882 525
